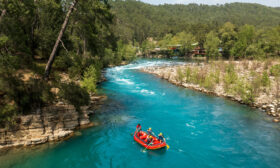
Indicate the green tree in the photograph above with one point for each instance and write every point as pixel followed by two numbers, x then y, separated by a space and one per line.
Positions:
pixel 211 45
pixel 228 37
pixel 245 37
pixel 184 39
pixel 90 79
pixel 253 51
pixel 166 40
pixel 272 41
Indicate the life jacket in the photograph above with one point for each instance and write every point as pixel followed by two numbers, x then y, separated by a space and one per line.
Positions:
pixel 149 140
pixel 138 128
pixel 160 137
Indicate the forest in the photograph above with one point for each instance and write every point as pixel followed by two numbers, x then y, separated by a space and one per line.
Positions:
pixel 240 30
pixel 137 20
pixel 28 31
pixel 101 33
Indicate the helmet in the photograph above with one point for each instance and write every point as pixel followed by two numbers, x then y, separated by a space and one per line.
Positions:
pixel 160 133
pixel 150 128
pixel 151 136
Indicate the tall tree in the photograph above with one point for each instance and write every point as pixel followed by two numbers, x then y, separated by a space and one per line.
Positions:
pixel 52 56
pixel 228 37
pixel 212 45
pixel 245 37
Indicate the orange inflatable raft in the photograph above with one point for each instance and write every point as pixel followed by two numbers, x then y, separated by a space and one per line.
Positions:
pixel 141 139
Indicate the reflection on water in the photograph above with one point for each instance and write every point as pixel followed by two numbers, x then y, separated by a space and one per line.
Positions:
pixel 10 157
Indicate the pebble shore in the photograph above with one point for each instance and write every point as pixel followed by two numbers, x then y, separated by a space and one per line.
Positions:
pixel 266 103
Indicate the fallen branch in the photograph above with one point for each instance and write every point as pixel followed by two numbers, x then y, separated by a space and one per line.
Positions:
pixel 63 46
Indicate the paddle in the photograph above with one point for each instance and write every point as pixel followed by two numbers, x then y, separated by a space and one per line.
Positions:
pixel 147 146
pixel 167 146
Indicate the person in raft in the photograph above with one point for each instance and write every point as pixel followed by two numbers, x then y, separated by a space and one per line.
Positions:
pixel 160 137
pixel 149 139
pixel 138 129
pixel 150 132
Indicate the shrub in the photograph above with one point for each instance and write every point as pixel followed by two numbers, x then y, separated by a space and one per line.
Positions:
pixel 18 97
pixel 188 74
pixel 3 40
pixel 229 68
pixel 209 82
pixel 248 95
pixel 245 91
pixel 74 94
pixel 254 51
pixel 256 82
pixel 98 67
pixel 38 92
pixel 265 79
pixel 26 96
pixel 216 76
pixel 275 70
pixel 62 62
pixel 201 76
pixel 230 78
pixel 76 70
pixel 267 63
pixel 180 75
pixel 90 79
pixel 108 58
pixel 7 113
pixel 194 76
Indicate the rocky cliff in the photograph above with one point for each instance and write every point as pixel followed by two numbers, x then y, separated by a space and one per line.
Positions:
pixel 55 122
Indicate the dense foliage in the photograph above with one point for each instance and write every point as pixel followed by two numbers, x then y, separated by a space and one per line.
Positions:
pixel 236 30
pixel 137 20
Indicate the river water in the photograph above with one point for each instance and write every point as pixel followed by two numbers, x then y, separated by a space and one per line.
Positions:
pixel 201 130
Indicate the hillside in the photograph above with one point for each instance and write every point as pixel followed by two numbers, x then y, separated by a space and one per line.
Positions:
pixel 138 20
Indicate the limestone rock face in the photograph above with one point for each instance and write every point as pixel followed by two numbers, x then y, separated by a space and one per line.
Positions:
pixel 52 123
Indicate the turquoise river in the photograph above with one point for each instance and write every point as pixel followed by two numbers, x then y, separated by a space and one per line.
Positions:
pixel 201 130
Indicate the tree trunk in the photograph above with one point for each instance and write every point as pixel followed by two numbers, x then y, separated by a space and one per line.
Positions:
pixel 52 56
pixel 33 27
pixel 84 47
pixel 2 14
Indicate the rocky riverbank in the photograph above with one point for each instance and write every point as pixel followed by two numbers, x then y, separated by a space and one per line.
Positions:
pixel 247 85
pixel 52 123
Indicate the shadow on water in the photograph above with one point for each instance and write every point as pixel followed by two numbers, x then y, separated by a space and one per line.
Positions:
pixel 157 152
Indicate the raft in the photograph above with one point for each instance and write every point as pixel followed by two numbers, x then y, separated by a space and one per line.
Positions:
pixel 140 138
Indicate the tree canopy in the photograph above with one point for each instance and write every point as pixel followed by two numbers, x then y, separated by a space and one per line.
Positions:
pixel 137 20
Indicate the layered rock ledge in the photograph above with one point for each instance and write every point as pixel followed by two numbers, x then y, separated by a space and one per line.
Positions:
pixel 52 123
